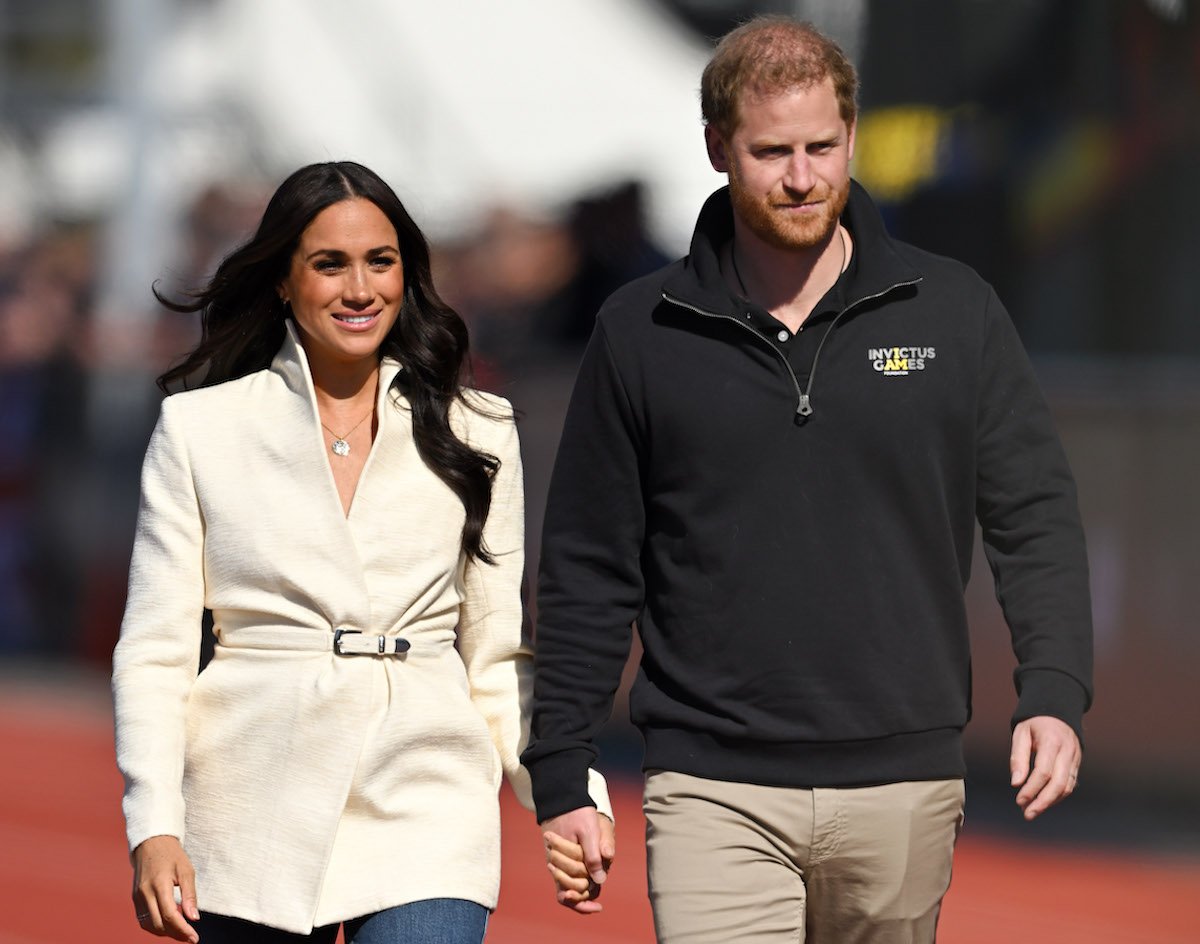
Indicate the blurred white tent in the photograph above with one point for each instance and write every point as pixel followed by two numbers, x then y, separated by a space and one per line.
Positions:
pixel 460 104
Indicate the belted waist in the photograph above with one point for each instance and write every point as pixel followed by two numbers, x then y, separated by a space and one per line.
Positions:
pixel 343 642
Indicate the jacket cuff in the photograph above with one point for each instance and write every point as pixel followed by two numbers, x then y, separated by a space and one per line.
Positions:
pixel 152 812
pixel 1053 693
pixel 560 782
pixel 598 792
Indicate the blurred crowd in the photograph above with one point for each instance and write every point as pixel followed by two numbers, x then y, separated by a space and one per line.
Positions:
pixel 45 293
pixel 78 400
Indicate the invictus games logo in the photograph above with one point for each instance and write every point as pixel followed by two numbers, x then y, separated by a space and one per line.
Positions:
pixel 899 361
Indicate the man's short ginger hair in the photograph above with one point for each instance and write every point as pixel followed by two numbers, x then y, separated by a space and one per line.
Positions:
pixel 770 55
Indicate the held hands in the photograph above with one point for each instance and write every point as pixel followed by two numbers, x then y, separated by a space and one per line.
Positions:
pixel 580 848
pixel 1056 754
pixel 159 865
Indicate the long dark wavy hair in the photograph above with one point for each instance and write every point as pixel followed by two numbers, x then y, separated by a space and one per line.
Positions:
pixel 242 326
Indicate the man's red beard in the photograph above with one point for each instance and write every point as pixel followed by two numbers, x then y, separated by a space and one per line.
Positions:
pixel 785 230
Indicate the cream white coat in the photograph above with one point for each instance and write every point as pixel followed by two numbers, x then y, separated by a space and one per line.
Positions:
pixel 309 787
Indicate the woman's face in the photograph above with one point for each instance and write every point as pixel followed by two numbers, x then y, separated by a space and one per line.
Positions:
pixel 345 283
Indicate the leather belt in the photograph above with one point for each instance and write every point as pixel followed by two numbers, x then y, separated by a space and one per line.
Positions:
pixel 354 642
pixel 343 642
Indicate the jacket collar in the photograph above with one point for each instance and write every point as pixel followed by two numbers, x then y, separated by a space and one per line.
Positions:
pixel 291 363
pixel 878 269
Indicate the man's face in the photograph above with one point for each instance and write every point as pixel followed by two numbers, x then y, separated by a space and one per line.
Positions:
pixel 788 163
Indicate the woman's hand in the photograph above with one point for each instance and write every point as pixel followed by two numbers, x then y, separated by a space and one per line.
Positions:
pixel 159 865
pixel 579 864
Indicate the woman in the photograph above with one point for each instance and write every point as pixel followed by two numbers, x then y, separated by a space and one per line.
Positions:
pixel 353 519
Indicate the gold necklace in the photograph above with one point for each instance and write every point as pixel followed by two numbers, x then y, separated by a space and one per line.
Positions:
pixel 339 445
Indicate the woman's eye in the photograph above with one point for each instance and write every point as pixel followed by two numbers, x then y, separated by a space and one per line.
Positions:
pixel 383 262
pixel 327 265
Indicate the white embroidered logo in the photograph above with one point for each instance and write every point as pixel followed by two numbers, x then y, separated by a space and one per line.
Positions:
pixel 899 361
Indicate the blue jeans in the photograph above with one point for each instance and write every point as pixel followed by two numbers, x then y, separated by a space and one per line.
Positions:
pixel 434 921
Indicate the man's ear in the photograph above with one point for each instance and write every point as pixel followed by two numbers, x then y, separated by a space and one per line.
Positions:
pixel 850 139
pixel 717 155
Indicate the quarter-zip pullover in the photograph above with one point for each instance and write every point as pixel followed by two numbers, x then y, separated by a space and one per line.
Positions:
pixel 789 520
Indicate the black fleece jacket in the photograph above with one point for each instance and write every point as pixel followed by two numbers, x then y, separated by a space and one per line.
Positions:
pixel 790 524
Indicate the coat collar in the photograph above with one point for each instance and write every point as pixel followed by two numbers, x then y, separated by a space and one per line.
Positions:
pixel 291 364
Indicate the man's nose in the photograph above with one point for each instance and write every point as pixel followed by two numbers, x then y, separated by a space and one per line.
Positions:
pixel 800 176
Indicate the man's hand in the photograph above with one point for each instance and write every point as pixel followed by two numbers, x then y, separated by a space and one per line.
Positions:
pixel 1055 753
pixel 159 865
pixel 580 848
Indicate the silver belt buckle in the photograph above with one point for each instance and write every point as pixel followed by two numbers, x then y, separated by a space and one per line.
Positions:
pixel 399 644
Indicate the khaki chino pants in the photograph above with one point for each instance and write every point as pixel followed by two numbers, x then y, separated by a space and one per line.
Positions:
pixel 735 863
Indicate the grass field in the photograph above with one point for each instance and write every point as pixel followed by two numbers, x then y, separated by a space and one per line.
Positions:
pixel 64 875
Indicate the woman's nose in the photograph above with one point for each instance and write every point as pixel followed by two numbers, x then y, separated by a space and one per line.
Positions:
pixel 357 287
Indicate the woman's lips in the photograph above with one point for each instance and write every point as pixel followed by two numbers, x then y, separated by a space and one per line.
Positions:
pixel 356 321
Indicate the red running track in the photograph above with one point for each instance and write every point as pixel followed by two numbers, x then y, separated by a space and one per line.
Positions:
pixel 64 875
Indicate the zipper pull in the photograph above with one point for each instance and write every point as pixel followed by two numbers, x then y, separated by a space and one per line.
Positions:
pixel 803 409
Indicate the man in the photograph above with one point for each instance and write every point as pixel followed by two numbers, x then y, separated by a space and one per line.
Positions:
pixel 773 462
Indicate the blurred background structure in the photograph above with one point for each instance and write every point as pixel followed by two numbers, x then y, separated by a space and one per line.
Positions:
pixel 552 149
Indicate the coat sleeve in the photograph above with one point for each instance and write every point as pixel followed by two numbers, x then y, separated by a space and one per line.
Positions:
pixel 156 658
pixel 492 632
pixel 590 588
pixel 1032 533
